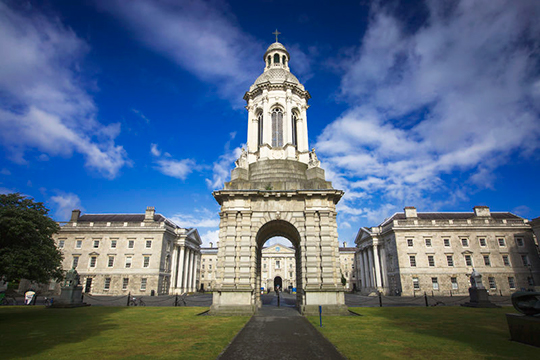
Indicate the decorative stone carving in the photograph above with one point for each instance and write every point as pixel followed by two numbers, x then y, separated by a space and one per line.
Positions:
pixel 242 161
pixel 313 161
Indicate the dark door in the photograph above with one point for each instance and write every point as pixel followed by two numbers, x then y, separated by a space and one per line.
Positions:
pixel 88 285
pixel 278 282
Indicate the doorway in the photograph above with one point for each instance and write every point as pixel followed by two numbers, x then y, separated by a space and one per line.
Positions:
pixel 278 283
pixel 88 285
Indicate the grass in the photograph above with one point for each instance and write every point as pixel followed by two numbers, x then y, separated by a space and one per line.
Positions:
pixel 424 333
pixel 114 333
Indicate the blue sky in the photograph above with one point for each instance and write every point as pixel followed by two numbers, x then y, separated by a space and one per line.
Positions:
pixel 112 106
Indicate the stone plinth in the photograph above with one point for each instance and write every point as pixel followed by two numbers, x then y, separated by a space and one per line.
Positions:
pixel 479 299
pixel 70 296
pixel 524 329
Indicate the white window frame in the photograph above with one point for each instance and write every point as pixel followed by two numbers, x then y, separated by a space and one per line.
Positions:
pixel 450 260
pixel 107 284
pixel 110 261
pixel 446 242
pixel 428 242
pixel 144 284
pixel 410 242
pixel 131 243
pixel 464 242
pixel 525 260
pixel 95 244
pixel 435 283
pixel 416 283
pixel 492 283
pixel 114 243
pixel 148 244
pixel 431 260
pixel 74 262
pixel 61 244
pixel 453 281
pixel 125 283
pixel 129 262
pixel 520 242
pixel 487 260
pixel 482 241
pixel 470 260
pixel 146 261
pixel 501 241
pixel 506 260
pixel 412 260
pixel 511 282
pixel 93 261
pixel 78 244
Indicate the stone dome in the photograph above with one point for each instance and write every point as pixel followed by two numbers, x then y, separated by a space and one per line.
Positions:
pixel 276 46
pixel 277 76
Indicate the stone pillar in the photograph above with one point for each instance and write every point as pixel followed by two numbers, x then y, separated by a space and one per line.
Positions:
pixel 229 261
pixel 377 266
pixel 313 256
pixel 246 277
pixel 185 270
pixel 384 270
pixel 366 269
pixel 329 263
pixel 361 271
pixel 371 269
pixel 194 272
pixel 267 120
pixel 180 265
pixel 173 269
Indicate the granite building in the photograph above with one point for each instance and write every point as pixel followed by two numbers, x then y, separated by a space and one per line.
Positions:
pixel 411 253
pixel 118 254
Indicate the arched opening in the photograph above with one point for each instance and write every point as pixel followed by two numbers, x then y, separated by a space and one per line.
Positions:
pixel 278 283
pixel 277 127
pixel 276 59
pixel 268 60
pixel 294 119
pixel 260 130
pixel 279 263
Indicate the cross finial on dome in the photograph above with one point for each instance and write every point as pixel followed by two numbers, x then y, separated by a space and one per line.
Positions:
pixel 276 33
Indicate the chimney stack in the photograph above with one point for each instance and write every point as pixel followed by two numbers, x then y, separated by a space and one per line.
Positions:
pixel 211 244
pixel 410 212
pixel 149 215
pixel 344 244
pixel 75 215
pixel 482 211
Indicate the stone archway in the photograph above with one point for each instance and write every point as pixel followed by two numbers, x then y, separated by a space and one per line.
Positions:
pixel 307 218
pixel 278 283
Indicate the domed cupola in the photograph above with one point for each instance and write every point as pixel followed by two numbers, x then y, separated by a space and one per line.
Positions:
pixel 276 56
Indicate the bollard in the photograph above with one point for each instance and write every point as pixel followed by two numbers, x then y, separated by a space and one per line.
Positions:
pixel 129 297
pixel 320 316
pixel 380 300
pixel 176 300
pixel 425 298
pixel 278 299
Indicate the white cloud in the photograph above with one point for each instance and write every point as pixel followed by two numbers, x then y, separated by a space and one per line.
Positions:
pixel 458 96
pixel 211 236
pixel 141 115
pixel 44 103
pixel 64 204
pixel 221 169
pixel 203 37
pixel 179 169
pixel 197 220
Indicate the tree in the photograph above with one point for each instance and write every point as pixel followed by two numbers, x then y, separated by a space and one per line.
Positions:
pixel 27 249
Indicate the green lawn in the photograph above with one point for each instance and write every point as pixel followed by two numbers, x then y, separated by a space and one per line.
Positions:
pixel 114 333
pixel 424 333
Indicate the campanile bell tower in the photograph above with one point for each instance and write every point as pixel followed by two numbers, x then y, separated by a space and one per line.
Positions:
pixel 277 188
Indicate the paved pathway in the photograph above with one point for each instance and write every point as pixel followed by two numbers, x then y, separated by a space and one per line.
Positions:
pixel 279 333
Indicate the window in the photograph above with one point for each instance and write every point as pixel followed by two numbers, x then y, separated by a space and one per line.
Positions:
pixel 428 242
pixel 203 266
pixel 519 241
pixel 148 244
pixel 410 242
pixel 125 283
pixel 78 244
pixel 290 274
pixel 446 242
pixel 486 260
pixel 277 127
pixel 501 242
pixel 416 284
pixel 511 282
pixel 435 283
pixel 143 284
pixel 260 117
pixel 61 244
pixel 129 259
pixel 450 260
pixel 276 58
pixel 465 242
pixel 93 260
pixel 294 119
pixel 268 60
pixel 96 244
pixel 278 264
pixel 468 260
pixel 431 260
pixel 113 244
pixel 75 262
pixel 412 260
pixel 131 244
pixel 107 285
pixel 525 260
pixel 453 280
pixel 492 284
pixel 264 266
pixel 482 242
pixel 146 261
pixel 210 266
pixel 506 260
pixel 111 261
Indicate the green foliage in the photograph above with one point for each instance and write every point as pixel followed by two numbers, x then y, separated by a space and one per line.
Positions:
pixel 343 280
pixel 27 249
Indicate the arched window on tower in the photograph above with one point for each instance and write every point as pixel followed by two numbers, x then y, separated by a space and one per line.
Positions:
pixel 269 60
pixel 276 59
pixel 277 127
pixel 260 130
pixel 294 119
pixel 283 60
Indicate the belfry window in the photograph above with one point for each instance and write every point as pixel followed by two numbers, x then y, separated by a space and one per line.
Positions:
pixel 276 59
pixel 269 60
pixel 283 59
pixel 294 134
pixel 277 127
pixel 260 132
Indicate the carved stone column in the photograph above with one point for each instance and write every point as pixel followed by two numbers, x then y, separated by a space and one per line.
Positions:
pixel 377 266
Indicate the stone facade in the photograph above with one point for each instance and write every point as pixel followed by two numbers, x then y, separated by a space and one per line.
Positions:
pixel 412 253
pixel 347 266
pixel 141 254
pixel 277 189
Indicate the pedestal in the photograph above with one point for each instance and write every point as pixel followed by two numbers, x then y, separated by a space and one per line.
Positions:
pixel 524 329
pixel 70 296
pixel 479 299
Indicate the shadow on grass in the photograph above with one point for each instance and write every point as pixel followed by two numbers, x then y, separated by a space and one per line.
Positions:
pixel 446 331
pixel 29 331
